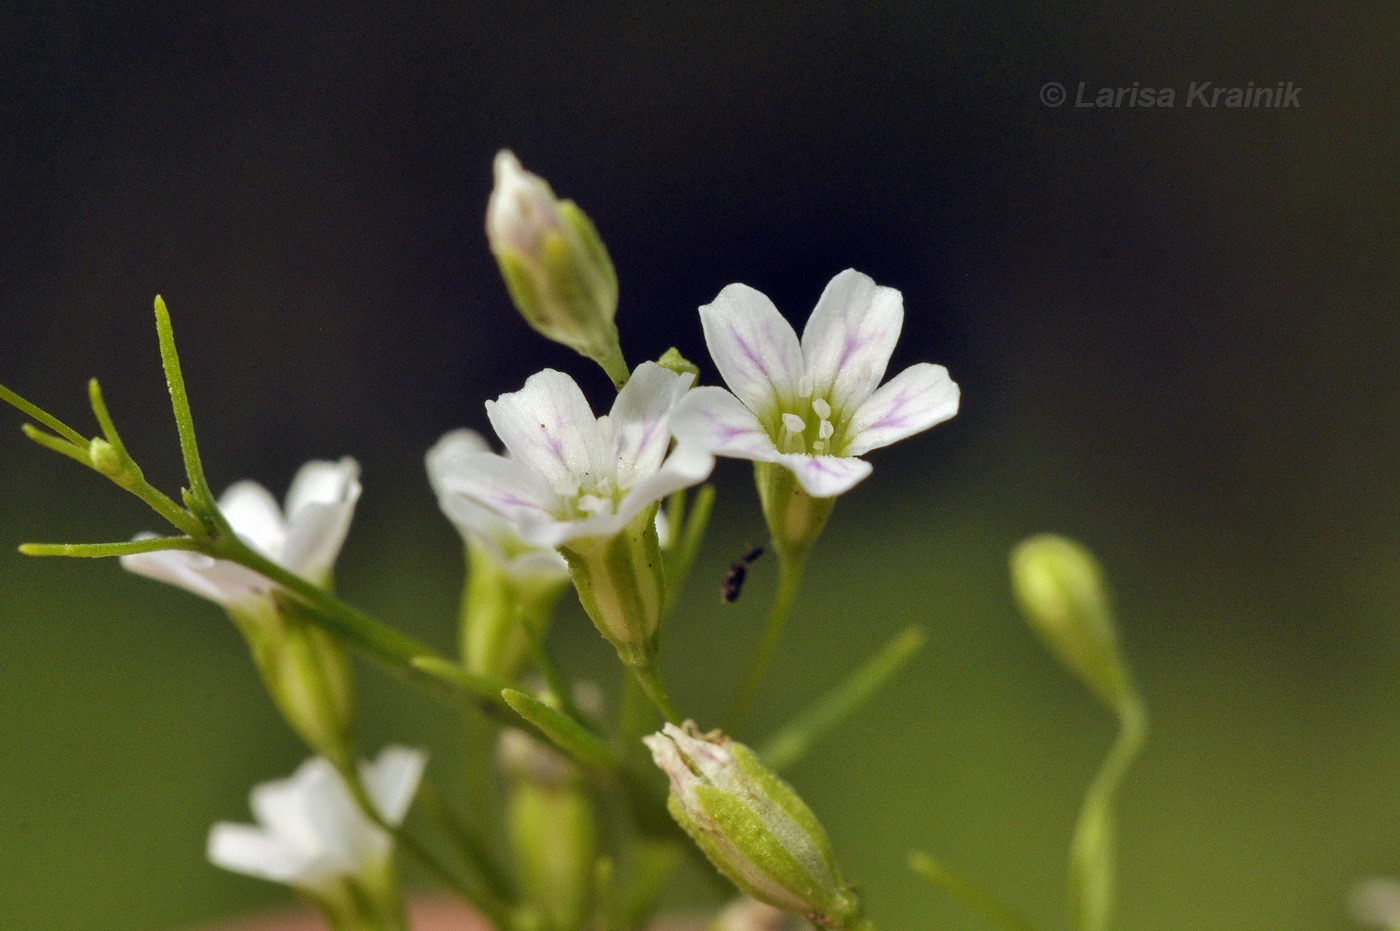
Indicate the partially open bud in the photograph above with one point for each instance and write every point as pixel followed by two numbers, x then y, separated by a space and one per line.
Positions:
pixel 555 266
pixel 1061 590
pixel 752 825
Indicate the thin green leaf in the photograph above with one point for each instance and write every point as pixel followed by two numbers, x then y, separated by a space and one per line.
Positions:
pixel 968 893
pixel 792 743
pixel 583 746
pixel 61 446
pixel 98 550
pixel 180 401
pixel 43 417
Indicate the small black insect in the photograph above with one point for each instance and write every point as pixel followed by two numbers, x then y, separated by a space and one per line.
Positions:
pixel 733 582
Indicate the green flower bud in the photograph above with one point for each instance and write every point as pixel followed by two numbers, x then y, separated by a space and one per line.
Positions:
pixel 1061 590
pixel 752 826
pixel 555 266
pixel 307 672
pixel 553 830
pixel 673 360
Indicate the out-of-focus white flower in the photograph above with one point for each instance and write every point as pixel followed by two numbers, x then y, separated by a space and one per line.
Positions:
pixel 305 538
pixel 310 833
pixel 813 406
pixel 570 475
pixel 1376 902
pixel 479 524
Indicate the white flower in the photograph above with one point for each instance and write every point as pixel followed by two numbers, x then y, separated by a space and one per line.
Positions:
pixel 570 475
pixel 812 407
pixel 481 525
pixel 310 833
pixel 306 540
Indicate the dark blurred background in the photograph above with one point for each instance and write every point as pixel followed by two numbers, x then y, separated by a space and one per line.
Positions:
pixel 1175 330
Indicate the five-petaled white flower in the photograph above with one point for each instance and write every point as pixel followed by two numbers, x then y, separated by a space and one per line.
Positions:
pixel 306 540
pixel 569 475
pixel 310 833
pixel 481 525
pixel 812 407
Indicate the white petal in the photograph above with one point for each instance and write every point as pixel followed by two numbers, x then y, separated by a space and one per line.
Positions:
pixel 502 485
pixel 917 398
pixel 246 849
pixel 825 476
pixel 754 348
pixel 253 514
pixel 849 338
pixel 639 420
pixel 221 582
pixel 323 482
pixel 320 507
pixel 393 779
pixel 715 419
pixel 453 444
pixel 347 840
pixel 282 806
pixel 548 426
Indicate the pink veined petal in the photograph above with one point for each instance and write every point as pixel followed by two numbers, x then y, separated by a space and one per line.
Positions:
pixel 548 426
pixel 718 421
pixel 639 420
pixel 849 338
pixel 502 485
pixel 253 514
pixel 825 476
pixel 393 779
pixel 323 482
pixel 224 583
pixel 243 848
pixel 754 348
pixel 917 398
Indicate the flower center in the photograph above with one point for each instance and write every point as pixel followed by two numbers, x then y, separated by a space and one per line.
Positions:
pixel 806 425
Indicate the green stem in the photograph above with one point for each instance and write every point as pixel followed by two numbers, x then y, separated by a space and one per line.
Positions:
pixel 43 417
pixel 650 681
pixel 1092 849
pixel 615 365
pixel 789 580
pixel 180 401
pixel 469 843
pixel 472 890
pixel 98 550
pixel 968 892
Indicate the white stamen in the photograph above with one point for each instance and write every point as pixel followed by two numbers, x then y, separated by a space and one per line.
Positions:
pixel 793 423
pixel 825 430
pixel 818 447
pixel 591 504
pixel 822 408
pixel 805 386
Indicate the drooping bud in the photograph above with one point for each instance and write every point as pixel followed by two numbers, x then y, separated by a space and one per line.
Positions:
pixel 752 825
pixel 1061 590
pixel 555 265
pixel 553 830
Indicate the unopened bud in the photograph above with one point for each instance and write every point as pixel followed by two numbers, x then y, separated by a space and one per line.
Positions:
pixel 673 360
pixel 1061 590
pixel 752 825
pixel 553 830
pixel 555 266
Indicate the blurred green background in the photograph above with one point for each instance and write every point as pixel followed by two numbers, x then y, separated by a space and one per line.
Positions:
pixel 1175 330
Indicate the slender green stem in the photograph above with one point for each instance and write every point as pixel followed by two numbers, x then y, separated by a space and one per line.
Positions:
pixel 1092 849
pixel 180 401
pixel 471 889
pixel 792 742
pixel 650 681
pixel 789 581
pixel 57 444
pixel 616 366
pixel 968 892
pixel 468 842
pixel 691 533
pixel 43 417
pixel 539 653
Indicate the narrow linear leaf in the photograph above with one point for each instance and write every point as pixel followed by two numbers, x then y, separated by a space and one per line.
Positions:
pixel 97 550
pixel 180 401
pixel 568 735
pixel 43 417
pixel 794 741
pixel 968 892
pixel 78 454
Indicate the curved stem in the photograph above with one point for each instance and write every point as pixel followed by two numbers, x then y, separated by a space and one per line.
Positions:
pixel 650 681
pixel 789 580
